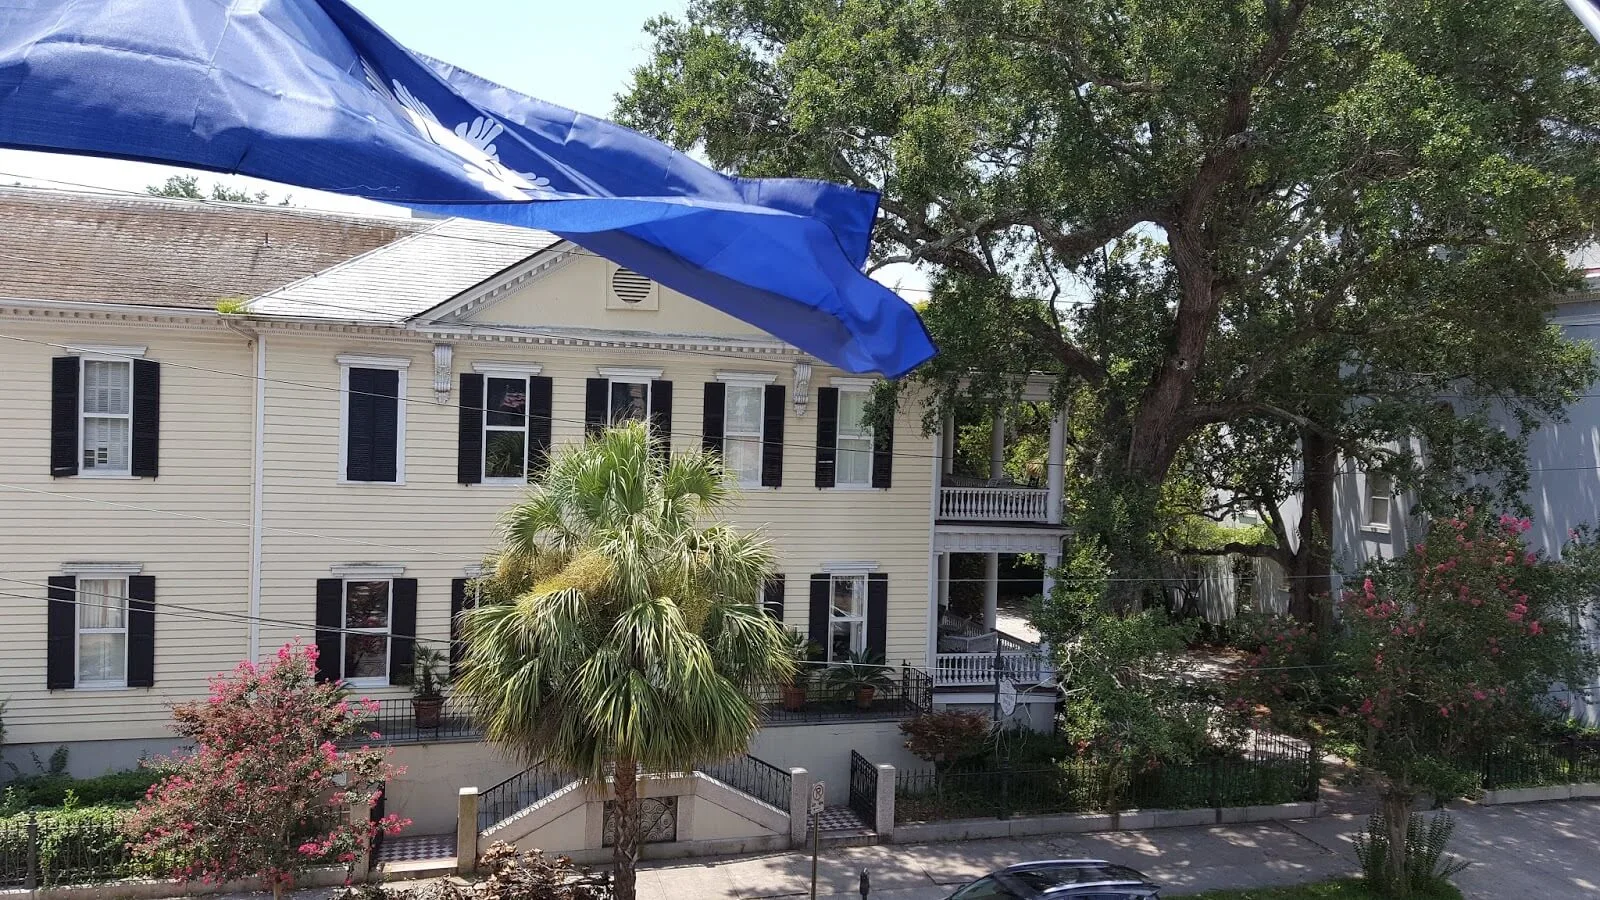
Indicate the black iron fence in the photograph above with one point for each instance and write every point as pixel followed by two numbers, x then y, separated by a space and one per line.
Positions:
pixel 820 694
pixel 399 722
pixel 44 851
pixel 1251 776
pixel 755 777
pixel 1537 765
pixel 519 792
pixel 864 789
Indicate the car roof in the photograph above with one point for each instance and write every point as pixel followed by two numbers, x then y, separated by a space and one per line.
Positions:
pixel 1049 877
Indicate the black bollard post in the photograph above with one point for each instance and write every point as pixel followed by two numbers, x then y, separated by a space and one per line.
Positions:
pixel 866 884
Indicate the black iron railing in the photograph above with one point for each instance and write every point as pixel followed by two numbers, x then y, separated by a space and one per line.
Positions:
pixel 1538 765
pixel 819 695
pixel 864 788
pixel 755 777
pixel 1262 772
pixel 398 722
pixel 519 792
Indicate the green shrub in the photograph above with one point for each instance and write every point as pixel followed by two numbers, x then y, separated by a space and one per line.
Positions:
pixel 75 846
pixel 50 791
pixel 1428 869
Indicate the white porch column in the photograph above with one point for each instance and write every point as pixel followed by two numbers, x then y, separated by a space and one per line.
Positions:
pixel 1052 561
pixel 997 446
pixel 947 434
pixel 991 590
pixel 1055 472
pixel 944 581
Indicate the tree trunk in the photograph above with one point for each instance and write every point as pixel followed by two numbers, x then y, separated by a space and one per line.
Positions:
pixel 625 851
pixel 1311 577
pixel 1396 816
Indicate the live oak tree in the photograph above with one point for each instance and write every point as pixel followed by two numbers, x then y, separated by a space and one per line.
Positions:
pixel 1211 217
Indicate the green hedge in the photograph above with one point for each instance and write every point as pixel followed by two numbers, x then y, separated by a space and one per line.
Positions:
pixel 76 846
pixel 50 791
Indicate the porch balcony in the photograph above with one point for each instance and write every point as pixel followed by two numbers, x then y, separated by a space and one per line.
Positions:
pixel 976 500
pixel 966 659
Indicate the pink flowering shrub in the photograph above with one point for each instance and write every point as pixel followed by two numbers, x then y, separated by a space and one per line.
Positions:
pixel 263 790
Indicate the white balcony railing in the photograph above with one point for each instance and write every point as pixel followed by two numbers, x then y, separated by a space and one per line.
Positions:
pixel 997 504
pixel 1021 666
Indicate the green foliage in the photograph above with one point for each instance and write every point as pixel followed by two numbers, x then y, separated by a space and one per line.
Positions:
pixel 948 737
pixel 860 670
pixel 45 791
pixel 429 673
pixel 1338 889
pixel 1428 870
pixel 76 846
pixel 618 626
pixel 187 187
pixel 233 306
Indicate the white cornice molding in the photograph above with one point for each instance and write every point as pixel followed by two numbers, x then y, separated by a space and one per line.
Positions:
pixel 496 287
pixel 356 360
pixel 116 351
pixel 849 383
pixel 851 567
pixel 366 570
pixel 506 367
pixel 91 569
pixel 630 373
pixel 747 379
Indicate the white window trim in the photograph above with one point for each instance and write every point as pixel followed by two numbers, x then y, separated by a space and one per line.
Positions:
pixel 1367 522
pixel 747 379
pixel 106 352
pixel 366 571
pixel 850 567
pixel 474 571
pixel 527 417
pixel 848 383
pixel 834 617
pixel 345 631
pixel 507 369
pixel 649 396
pixel 630 374
pixel 78 631
pixel 83 397
pixel 101 569
pixel 761 429
pixel 395 364
pixel 838 434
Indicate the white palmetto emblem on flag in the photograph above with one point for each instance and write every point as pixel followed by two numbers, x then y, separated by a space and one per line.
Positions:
pixel 472 142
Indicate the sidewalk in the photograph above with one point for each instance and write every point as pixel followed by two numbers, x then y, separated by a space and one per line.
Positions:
pixel 1537 850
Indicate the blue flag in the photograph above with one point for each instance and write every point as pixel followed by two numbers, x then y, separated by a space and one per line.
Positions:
pixel 311 93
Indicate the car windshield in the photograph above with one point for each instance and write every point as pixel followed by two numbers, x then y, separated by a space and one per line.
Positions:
pixel 1046 877
pixel 985 888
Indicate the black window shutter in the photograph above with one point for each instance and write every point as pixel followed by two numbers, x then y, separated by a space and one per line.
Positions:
pixel 772 436
pixel 461 600
pixel 772 596
pixel 469 435
pixel 540 401
pixel 64 387
pixel 61 629
pixel 716 406
pixel 827 435
pixel 144 459
pixel 596 402
pixel 371 449
pixel 661 417
pixel 141 631
pixel 402 630
pixel 330 619
pixel 877 615
pixel 883 454
pixel 817 620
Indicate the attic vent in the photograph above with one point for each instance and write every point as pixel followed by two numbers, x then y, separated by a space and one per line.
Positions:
pixel 629 286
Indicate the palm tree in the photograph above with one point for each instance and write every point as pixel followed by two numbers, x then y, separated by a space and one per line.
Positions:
pixel 619 623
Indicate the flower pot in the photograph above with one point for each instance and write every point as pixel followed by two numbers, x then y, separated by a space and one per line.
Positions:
pixel 794 697
pixel 864 695
pixel 427 710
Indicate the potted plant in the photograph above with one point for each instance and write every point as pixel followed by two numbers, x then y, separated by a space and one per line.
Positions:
pixel 863 675
pixel 801 650
pixel 427 686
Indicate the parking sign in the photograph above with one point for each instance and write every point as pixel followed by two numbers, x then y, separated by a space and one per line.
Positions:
pixel 819 791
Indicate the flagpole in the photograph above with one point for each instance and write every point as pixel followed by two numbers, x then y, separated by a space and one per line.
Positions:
pixel 1588 14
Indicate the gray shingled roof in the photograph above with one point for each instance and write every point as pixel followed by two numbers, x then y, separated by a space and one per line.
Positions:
pixel 408 277
pixel 61 245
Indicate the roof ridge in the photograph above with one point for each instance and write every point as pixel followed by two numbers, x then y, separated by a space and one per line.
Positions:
pixel 116 197
pixel 342 264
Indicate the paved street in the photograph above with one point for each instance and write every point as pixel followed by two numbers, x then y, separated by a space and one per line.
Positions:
pixel 1537 850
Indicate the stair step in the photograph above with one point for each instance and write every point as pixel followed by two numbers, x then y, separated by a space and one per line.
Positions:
pixel 834 839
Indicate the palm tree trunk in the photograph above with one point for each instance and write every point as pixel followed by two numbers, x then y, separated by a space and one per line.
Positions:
pixel 625 852
pixel 1396 816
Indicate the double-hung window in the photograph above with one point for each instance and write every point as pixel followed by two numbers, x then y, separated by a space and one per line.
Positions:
pixel 366 620
pixel 854 466
pixel 102 640
pixel 741 432
pixel 629 401
pixel 107 416
pixel 505 429
pixel 1380 500
pixel 847 617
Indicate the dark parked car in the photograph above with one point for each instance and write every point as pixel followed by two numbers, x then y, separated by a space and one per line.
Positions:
pixel 1061 879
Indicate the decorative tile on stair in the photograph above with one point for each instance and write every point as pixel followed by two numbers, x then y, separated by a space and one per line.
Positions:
pixel 840 818
pixel 417 848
